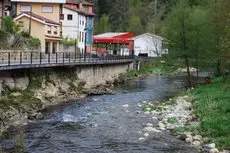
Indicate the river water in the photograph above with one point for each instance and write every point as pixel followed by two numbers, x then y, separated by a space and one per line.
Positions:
pixel 101 124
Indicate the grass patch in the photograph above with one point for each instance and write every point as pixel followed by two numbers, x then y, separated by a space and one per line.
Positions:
pixel 25 102
pixel 212 106
pixel 185 128
pixel 156 66
pixel 158 106
pixel 172 120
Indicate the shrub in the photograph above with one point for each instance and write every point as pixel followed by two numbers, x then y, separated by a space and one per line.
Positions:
pixel 67 42
pixel 33 43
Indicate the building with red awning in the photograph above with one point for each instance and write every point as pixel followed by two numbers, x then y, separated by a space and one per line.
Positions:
pixel 115 42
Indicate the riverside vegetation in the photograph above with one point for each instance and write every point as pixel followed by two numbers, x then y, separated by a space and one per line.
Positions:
pixel 199 116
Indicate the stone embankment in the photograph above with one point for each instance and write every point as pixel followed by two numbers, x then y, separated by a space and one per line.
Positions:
pixel 32 94
pixel 177 116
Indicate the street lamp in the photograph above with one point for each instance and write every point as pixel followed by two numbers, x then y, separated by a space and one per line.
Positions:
pixel 85 43
pixel 96 48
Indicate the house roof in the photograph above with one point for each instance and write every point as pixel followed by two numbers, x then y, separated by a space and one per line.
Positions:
pixel 78 2
pixel 79 11
pixel 41 1
pixel 113 37
pixel 148 34
pixel 36 17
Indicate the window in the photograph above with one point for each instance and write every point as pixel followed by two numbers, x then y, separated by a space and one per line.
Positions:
pixel 80 22
pixel 47 9
pixel 21 24
pixel 49 29
pixel 25 8
pixel 87 9
pixel 55 30
pixel 70 17
pixel 89 21
pixel 62 17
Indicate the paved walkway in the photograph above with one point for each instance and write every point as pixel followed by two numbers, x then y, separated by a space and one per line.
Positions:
pixel 18 61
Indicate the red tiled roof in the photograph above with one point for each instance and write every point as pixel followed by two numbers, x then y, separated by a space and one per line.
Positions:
pixel 79 11
pixel 40 18
pixel 78 1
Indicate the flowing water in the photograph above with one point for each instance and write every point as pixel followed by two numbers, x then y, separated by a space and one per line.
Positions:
pixel 101 124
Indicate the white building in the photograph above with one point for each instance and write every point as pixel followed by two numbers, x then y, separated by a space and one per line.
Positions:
pixel 78 24
pixel 73 26
pixel 148 45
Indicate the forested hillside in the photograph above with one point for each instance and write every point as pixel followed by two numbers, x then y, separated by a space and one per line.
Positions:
pixel 195 29
pixel 137 16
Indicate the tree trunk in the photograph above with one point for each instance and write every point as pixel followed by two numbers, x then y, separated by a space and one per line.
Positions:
pixel 188 72
pixel 218 68
pixel 197 71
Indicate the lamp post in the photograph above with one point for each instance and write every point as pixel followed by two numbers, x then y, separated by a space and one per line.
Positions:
pixel 85 44
pixel 123 46
pixel 96 48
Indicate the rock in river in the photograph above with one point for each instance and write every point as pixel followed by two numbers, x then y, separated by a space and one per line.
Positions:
pixel 150 129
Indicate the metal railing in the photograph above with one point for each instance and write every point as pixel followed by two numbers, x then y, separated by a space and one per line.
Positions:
pixel 31 59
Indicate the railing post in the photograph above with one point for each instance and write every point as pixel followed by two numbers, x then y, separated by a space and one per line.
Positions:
pixel 31 57
pixel 9 58
pixel 75 54
pixel 63 56
pixel 69 57
pixel 20 58
pixel 49 58
pixel 40 57
pixel 75 50
pixel 56 58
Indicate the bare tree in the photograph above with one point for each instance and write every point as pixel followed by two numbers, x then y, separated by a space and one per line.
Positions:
pixel 155 44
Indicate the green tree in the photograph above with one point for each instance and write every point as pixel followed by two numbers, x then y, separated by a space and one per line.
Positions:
pixel 118 15
pixel 177 34
pixel 222 33
pixel 102 25
pixel 10 26
pixel 200 36
pixel 135 25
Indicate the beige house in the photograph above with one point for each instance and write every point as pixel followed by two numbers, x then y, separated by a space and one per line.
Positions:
pixel 42 19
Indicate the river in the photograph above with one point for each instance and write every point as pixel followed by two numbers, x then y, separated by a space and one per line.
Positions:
pixel 102 124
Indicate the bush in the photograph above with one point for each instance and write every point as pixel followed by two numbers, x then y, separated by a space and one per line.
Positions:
pixel 33 43
pixel 3 38
pixel 67 42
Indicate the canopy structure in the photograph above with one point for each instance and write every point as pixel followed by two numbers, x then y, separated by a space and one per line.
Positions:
pixel 116 43
pixel 113 38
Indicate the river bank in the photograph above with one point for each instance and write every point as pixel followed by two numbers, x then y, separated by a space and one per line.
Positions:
pixel 199 117
pixel 39 91
pixel 106 123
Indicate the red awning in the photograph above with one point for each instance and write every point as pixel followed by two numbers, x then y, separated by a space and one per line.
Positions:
pixel 113 38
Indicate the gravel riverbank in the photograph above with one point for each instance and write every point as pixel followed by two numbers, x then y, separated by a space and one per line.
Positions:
pixel 177 116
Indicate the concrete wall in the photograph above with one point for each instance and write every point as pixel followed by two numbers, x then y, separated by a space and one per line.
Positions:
pixel 92 75
pixel 99 74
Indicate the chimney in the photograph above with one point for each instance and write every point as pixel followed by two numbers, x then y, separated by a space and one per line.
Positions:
pixel 80 5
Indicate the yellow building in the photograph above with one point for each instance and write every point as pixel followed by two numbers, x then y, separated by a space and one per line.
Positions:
pixel 42 19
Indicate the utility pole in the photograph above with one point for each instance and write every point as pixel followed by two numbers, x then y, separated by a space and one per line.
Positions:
pixel 30 20
pixel 155 7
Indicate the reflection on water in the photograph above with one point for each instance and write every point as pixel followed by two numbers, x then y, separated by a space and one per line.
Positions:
pixel 102 124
